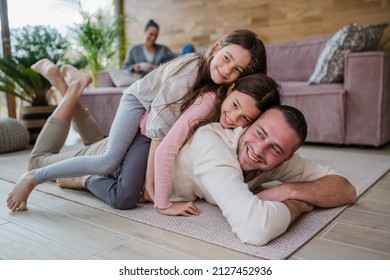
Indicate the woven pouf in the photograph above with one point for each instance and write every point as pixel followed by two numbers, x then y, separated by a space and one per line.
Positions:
pixel 13 135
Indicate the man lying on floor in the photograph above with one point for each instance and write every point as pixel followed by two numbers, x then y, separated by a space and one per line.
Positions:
pixel 222 166
pixel 217 162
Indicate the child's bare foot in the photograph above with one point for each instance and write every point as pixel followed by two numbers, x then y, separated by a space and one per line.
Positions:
pixel 17 198
pixel 50 71
pixel 72 183
pixel 45 67
pixel 74 75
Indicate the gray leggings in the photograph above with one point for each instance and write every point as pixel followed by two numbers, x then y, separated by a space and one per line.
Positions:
pixel 123 130
pixel 124 192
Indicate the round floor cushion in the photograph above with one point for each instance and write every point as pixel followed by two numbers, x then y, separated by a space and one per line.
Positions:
pixel 13 135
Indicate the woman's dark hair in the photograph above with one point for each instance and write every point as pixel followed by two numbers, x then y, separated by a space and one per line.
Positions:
pixel 151 23
pixel 263 89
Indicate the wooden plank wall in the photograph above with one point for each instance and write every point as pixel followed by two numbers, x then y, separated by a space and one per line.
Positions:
pixel 202 22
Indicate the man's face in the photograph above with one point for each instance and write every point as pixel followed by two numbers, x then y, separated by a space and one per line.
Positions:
pixel 267 143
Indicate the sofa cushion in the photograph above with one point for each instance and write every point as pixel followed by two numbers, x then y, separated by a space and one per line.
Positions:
pixel 323 107
pixel 102 103
pixel 384 41
pixel 350 38
pixel 122 77
pixel 295 60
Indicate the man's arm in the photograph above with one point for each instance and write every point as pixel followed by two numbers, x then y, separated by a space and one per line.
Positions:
pixel 328 191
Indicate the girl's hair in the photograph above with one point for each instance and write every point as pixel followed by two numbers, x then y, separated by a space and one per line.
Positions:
pixel 249 41
pixel 203 82
pixel 264 90
pixel 242 37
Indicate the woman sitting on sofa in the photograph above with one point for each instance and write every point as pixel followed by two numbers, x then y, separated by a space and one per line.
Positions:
pixel 145 57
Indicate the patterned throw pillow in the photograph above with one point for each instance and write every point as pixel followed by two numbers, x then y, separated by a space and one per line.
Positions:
pixel 351 38
pixel 374 33
pixel 13 135
pixel 330 64
pixel 384 41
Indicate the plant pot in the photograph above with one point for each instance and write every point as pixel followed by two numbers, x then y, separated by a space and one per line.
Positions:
pixel 34 118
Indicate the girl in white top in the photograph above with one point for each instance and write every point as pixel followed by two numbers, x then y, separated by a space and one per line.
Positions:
pixel 165 92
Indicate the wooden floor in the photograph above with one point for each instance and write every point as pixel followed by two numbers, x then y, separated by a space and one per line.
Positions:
pixel 54 228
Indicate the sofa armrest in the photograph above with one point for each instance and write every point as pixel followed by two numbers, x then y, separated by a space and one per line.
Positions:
pixel 102 103
pixel 366 80
pixel 104 79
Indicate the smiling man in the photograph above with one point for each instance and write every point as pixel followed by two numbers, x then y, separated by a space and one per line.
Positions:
pixel 222 166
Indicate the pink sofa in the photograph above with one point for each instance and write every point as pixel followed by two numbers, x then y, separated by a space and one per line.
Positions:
pixel 356 111
pixel 102 101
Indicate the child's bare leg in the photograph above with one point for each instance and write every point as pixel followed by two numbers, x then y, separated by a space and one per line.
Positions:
pixel 76 82
pixel 17 198
pixel 68 105
pixel 72 183
pixel 50 71
pixel 73 75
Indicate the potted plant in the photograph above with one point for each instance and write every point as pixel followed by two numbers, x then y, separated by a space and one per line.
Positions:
pixel 28 45
pixel 98 38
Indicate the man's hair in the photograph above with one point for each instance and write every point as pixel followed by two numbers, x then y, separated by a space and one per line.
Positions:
pixel 295 119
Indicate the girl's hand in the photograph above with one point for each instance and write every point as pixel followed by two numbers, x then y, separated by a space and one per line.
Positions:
pixel 149 180
pixel 181 209
pixel 148 194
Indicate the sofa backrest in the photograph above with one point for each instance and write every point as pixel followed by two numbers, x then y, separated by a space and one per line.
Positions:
pixel 294 60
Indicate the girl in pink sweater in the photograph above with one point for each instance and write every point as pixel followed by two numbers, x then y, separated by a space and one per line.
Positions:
pixel 238 104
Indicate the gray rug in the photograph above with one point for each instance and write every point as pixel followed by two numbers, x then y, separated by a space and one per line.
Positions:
pixel 361 169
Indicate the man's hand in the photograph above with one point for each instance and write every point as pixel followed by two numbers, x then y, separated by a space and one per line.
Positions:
pixel 278 193
pixel 181 209
pixel 325 192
